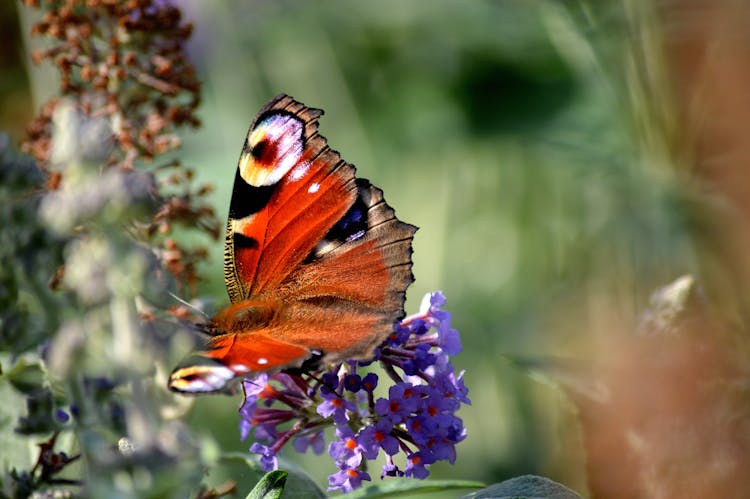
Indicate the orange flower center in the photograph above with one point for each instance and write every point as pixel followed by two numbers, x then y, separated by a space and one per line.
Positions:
pixel 268 392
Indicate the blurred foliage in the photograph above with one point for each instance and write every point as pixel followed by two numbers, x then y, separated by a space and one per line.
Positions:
pixel 82 283
pixel 526 486
pixel 125 61
pixel 16 108
pixel 78 358
pixel 563 160
pixel 29 256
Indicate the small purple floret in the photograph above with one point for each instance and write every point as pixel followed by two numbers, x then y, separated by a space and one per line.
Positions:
pixel 347 479
pixel 267 456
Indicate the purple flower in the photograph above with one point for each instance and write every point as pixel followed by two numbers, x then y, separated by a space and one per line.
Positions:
pixel 437 299
pixel 431 308
pixel 252 388
pixel 415 466
pixel 452 387
pixel 353 382
pixel 417 419
pixel 399 335
pixel 402 401
pixel 390 469
pixel 419 326
pixel 316 441
pixel 439 401
pixel 246 426
pixel 347 479
pixel 370 382
pixel 456 432
pixel 449 339
pixel 440 450
pixel 378 436
pixel 335 406
pixel 346 450
pixel 267 456
pixel 422 360
pixel 421 428
pixel 62 416
pixel 273 417
pixel 331 380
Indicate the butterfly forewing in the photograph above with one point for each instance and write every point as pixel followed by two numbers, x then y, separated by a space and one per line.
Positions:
pixel 315 260
pixel 289 189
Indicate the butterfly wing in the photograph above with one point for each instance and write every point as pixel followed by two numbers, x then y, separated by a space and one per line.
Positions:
pixel 290 188
pixel 345 299
pixel 315 259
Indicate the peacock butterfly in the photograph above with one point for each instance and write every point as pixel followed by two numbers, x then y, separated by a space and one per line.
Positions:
pixel 316 264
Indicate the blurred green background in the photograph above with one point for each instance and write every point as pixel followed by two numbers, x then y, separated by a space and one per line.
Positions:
pixel 505 130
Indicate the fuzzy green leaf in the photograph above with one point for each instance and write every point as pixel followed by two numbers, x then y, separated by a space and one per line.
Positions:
pixel 16 450
pixel 26 375
pixel 408 487
pixel 298 484
pixel 271 486
pixel 525 487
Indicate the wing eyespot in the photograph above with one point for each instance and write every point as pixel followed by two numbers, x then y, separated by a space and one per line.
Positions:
pixel 259 150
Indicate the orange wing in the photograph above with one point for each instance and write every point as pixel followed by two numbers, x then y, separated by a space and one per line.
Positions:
pixel 289 190
pixel 315 260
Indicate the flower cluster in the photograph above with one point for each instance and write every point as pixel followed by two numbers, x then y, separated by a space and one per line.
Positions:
pixel 124 68
pixel 122 59
pixel 126 88
pixel 416 419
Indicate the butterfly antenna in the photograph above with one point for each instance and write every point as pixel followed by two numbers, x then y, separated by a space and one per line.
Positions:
pixel 188 304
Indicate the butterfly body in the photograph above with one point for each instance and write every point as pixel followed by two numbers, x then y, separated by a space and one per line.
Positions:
pixel 316 262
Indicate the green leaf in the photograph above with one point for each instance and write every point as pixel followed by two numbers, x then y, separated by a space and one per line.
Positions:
pixel 398 487
pixel 270 486
pixel 299 484
pixel 27 376
pixel 525 487
pixel 16 449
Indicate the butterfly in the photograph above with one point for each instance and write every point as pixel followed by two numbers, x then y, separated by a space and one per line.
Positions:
pixel 316 264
